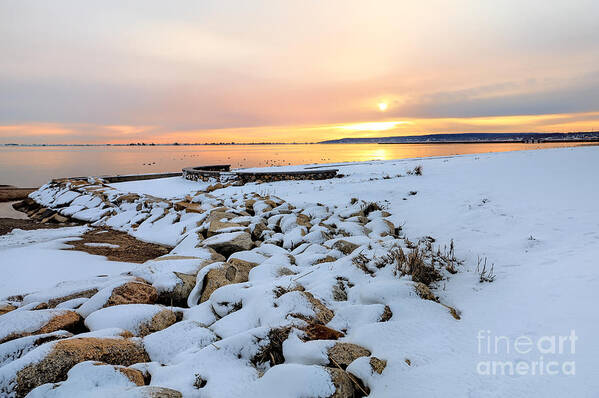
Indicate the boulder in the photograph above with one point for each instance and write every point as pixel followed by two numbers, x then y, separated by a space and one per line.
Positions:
pixel 86 293
pixel 54 366
pixel 156 392
pixel 5 308
pixel 22 323
pixel 139 319
pixel 178 296
pixel 15 349
pixel 134 375
pixel 257 230
pixel 233 271
pixel 229 243
pixel 249 205
pixel 345 247
pixel 134 292
pixel 217 226
pixel 189 207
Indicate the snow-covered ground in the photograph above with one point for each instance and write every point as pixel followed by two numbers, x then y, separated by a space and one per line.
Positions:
pixel 533 214
pixel 490 205
pixel 164 188
pixel 33 260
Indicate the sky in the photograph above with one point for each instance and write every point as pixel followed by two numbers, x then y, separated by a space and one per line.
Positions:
pixel 294 71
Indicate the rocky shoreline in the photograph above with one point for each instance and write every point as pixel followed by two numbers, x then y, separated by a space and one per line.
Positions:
pixel 246 281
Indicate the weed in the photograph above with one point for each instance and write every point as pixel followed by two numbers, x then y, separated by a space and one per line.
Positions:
pixel 416 171
pixel 485 274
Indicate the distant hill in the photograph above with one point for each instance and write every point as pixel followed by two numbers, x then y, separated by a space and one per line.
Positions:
pixel 470 137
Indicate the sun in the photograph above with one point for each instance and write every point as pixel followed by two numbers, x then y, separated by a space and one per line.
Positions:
pixel 383 106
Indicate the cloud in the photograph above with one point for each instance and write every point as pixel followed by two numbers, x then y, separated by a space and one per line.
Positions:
pixel 208 67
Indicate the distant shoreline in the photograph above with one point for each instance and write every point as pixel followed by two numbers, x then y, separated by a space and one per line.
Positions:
pixel 312 143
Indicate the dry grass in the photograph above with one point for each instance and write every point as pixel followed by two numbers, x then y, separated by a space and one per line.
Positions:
pixel 369 207
pixel 361 261
pixel 485 274
pixel 420 260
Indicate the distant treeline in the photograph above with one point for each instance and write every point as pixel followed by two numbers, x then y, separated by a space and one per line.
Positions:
pixel 471 137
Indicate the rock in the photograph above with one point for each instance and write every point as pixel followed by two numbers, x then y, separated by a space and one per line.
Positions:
pixel 134 292
pixel 217 226
pixel 132 374
pixel 15 349
pixel 378 365
pixel 18 324
pixel 249 205
pixel 344 387
pixel 257 230
pixel 139 319
pixel 214 187
pixel 316 331
pixel 161 320
pixel 342 354
pixel 67 353
pixel 229 243
pixel 87 293
pixel 189 207
pixel 157 392
pixel 323 314
pixel 70 321
pixel 345 247
pixel 178 296
pixel 5 308
pixel 233 271
pixel 60 218
pixel 130 197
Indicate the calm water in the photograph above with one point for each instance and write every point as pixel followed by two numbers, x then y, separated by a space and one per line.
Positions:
pixel 33 166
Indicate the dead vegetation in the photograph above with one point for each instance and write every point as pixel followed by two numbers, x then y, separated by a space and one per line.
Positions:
pixel 485 274
pixel 272 352
pixel 416 171
pixel 420 260
pixel 117 246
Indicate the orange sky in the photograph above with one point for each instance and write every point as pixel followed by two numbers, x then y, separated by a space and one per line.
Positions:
pixel 79 72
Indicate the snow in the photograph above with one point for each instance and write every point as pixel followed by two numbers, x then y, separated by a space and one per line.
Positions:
pixel 168 188
pixel 26 321
pixel 33 260
pixel 96 380
pixel 127 316
pixel 222 238
pixel 490 205
pixel 530 213
pixel 94 244
pixel 293 380
pixel 165 345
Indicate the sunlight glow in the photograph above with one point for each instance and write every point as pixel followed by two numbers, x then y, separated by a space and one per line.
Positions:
pixel 372 126
pixel 383 106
